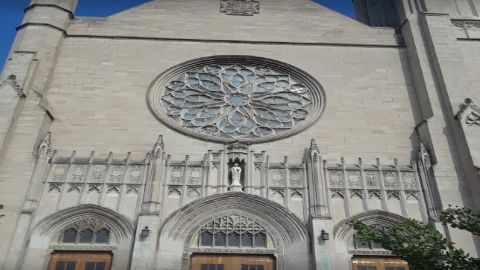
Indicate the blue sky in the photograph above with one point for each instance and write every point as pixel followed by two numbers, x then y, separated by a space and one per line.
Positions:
pixel 11 14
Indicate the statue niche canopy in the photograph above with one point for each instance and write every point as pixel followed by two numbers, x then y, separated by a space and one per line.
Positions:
pixel 236 98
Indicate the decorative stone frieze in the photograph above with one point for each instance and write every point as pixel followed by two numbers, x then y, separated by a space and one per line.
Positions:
pixel 466 23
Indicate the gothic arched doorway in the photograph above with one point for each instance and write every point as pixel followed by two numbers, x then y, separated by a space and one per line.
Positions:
pixel 233 231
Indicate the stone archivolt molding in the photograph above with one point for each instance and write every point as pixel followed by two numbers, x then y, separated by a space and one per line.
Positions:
pixel 120 226
pixel 236 98
pixel 285 228
pixel 343 231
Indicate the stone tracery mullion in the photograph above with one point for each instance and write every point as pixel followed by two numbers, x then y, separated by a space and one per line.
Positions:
pixel 223 98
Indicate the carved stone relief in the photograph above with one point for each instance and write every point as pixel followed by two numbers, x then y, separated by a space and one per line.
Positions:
pixel 135 175
pixel 372 179
pixel 240 7
pixel 354 179
pixel 195 175
pixel 97 174
pixel 59 172
pixel 277 176
pixel 77 173
pixel 336 178
pixel 390 179
pixel 176 174
pixel 408 180
pixel 116 174
pixel 296 177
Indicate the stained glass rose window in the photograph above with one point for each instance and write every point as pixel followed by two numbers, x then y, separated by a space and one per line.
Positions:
pixel 236 98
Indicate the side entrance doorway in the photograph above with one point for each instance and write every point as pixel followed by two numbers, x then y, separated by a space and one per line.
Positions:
pixel 232 262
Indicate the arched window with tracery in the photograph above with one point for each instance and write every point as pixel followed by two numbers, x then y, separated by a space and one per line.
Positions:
pixel 86 231
pixel 233 231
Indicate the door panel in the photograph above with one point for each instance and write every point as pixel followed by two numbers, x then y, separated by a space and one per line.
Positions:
pixel 80 261
pixel 232 262
pixel 372 263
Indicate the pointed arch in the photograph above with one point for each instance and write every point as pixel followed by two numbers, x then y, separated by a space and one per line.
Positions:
pixel 343 230
pixel 287 232
pixel 286 226
pixel 121 226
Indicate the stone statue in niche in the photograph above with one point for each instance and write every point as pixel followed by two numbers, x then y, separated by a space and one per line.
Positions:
pixel 236 177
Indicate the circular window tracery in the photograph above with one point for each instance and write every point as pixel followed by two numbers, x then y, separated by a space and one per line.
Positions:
pixel 237 98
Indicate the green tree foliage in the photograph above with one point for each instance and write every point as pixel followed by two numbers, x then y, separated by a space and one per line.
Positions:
pixel 462 218
pixel 421 245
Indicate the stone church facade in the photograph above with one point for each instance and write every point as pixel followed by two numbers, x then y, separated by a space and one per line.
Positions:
pixel 235 134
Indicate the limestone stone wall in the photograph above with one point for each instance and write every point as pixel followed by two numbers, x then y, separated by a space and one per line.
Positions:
pixel 368 111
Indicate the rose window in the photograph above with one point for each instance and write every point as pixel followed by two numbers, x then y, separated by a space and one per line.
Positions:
pixel 237 99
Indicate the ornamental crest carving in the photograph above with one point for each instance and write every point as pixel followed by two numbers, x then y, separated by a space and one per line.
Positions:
pixel 240 7
pixel 237 99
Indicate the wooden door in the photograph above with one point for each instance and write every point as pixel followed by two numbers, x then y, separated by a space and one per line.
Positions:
pixel 373 263
pixel 232 262
pixel 80 261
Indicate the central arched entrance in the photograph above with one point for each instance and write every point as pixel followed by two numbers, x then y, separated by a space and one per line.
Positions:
pixel 233 231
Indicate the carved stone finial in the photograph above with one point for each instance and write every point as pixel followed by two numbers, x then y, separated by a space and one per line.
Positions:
pixel 92 156
pixel 45 145
pixel 469 113
pixel 158 147
pixel 12 81
pixel 424 156
pixel 314 146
